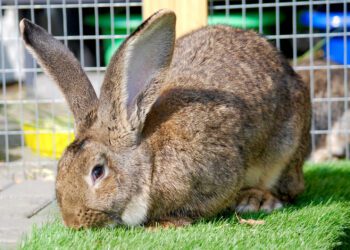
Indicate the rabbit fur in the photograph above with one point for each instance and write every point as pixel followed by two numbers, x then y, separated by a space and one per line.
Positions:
pixel 186 129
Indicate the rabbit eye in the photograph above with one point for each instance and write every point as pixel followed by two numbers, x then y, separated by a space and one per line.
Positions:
pixel 97 172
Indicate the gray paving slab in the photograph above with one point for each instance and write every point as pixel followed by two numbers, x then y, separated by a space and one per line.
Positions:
pixel 12 229
pixel 24 198
pixel 43 216
pixel 5 183
pixel 18 228
pixel 21 206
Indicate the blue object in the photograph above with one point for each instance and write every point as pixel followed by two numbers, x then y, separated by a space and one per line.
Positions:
pixel 336 20
pixel 319 19
pixel 336 50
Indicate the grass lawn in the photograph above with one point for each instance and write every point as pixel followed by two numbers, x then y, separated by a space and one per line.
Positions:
pixel 320 219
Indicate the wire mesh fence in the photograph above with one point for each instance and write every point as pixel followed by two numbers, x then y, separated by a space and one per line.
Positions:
pixel 313 35
pixel 36 125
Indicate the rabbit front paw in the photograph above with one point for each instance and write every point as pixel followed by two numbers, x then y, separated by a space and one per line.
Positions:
pixel 254 200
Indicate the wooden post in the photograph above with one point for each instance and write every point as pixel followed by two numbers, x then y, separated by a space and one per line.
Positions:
pixel 191 14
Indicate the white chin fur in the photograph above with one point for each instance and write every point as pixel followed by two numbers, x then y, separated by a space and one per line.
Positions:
pixel 135 212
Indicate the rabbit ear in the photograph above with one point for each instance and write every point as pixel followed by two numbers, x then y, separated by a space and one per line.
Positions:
pixel 131 86
pixel 64 68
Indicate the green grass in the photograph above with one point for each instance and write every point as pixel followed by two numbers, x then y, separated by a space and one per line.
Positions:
pixel 320 219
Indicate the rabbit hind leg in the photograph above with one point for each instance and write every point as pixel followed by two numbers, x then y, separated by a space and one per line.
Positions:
pixel 291 182
pixel 274 186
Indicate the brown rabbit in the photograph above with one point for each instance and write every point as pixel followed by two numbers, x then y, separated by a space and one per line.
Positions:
pixel 181 130
pixel 334 118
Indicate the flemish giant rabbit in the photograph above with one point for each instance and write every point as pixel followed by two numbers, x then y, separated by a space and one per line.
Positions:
pixel 181 130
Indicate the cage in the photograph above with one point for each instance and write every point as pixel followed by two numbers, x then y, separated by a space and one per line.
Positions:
pixel 35 122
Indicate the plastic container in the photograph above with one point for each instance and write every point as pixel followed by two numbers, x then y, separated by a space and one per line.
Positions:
pixel 120 25
pixel 336 20
pixel 251 20
pixel 43 141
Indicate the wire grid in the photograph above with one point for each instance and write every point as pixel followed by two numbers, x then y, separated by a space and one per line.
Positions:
pixel 28 96
pixel 301 43
pixel 34 98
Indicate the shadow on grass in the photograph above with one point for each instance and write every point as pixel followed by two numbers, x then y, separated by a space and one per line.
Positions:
pixel 345 240
pixel 328 183
pixel 324 183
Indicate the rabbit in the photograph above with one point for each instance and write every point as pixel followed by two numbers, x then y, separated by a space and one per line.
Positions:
pixel 183 130
pixel 332 145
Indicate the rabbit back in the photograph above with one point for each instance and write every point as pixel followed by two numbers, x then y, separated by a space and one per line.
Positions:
pixel 232 115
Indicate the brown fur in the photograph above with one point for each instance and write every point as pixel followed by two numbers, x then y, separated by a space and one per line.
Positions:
pixel 64 68
pixel 223 111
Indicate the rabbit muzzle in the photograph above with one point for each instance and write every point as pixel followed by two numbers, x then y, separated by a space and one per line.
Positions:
pixel 87 218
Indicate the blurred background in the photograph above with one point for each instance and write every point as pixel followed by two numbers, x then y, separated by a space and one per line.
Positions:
pixel 35 123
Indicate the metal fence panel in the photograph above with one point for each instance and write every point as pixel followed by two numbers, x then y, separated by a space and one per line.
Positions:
pixel 35 121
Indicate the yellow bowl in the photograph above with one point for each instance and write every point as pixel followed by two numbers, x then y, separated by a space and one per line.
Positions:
pixel 45 142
